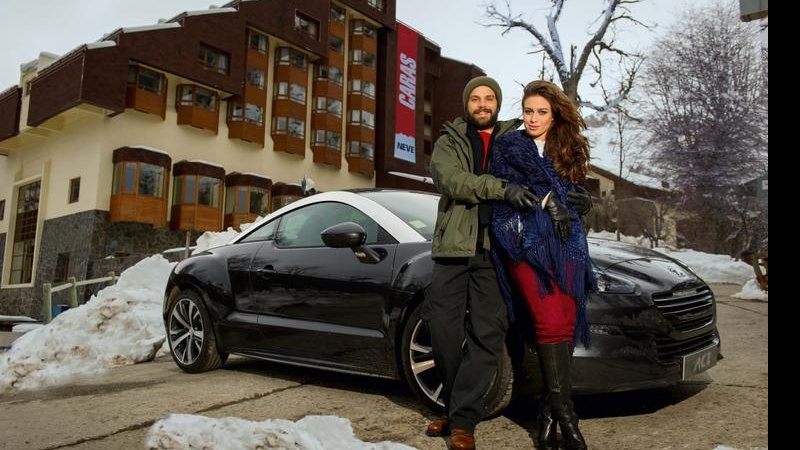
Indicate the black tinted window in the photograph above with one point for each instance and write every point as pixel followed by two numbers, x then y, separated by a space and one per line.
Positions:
pixel 417 209
pixel 302 227
pixel 263 233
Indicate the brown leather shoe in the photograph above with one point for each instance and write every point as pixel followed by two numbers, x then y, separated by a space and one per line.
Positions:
pixel 461 439
pixel 439 427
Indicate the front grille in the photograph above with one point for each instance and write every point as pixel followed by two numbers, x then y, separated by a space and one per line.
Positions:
pixel 687 309
pixel 669 350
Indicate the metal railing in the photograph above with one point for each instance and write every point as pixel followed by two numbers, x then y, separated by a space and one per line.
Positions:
pixel 71 284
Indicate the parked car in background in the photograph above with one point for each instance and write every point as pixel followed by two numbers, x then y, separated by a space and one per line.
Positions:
pixel 336 280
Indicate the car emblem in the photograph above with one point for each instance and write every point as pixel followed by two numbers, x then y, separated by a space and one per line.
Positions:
pixel 677 271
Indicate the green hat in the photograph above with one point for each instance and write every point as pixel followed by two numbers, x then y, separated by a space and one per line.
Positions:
pixel 483 81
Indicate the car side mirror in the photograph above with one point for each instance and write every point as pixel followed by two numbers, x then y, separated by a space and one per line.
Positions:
pixel 351 235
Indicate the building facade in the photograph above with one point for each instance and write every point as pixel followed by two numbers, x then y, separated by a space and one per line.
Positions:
pixel 130 145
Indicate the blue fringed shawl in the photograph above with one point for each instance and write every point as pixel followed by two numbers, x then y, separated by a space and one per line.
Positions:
pixel 530 235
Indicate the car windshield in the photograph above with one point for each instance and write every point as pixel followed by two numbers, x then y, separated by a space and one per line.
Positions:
pixel 417 209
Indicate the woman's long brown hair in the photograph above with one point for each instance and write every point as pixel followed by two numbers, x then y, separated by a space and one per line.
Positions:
pixel 566 146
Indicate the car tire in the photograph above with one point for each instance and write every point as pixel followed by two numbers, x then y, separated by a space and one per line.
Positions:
pixel 190 333
pixel 420 372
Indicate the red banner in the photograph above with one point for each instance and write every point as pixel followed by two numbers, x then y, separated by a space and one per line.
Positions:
pixel 405 107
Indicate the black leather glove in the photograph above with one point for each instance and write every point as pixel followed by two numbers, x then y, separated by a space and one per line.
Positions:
pixel 519 197
pixel 559 215
pixel 581 199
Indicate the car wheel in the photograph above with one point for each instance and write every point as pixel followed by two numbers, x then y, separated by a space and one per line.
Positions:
pixel 420 372
pixel 191 335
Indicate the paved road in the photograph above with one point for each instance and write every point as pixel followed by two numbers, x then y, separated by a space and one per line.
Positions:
pixel 726 406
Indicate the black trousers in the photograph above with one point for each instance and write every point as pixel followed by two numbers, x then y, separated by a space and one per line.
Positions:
pixel 466 347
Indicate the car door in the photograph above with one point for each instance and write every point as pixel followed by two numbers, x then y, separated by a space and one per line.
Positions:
pixel 319 304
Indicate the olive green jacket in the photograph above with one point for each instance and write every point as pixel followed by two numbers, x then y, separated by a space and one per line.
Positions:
pixel 456 232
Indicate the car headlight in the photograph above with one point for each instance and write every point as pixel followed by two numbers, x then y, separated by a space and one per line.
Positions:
pixel 613 285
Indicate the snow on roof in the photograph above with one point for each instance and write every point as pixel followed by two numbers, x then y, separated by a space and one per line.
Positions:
pixel 211 11
pixel 604 151
pixel 100 44
pixel 202 161
pixel 256 175
pixel 28 65
pixel 158 26
pixel 152 149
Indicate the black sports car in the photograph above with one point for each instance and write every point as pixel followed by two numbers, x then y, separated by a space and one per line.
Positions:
pixel 335 281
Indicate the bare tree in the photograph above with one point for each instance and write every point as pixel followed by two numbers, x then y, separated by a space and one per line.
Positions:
pixel 570 69
pixel 707 98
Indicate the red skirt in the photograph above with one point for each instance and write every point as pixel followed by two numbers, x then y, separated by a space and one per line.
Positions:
pixel 553 314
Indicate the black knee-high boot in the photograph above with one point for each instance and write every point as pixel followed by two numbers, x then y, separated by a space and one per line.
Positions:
pixel 555 360
pixel 547 427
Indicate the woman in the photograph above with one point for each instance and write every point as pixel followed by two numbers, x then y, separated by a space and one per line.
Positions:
pixel 541 254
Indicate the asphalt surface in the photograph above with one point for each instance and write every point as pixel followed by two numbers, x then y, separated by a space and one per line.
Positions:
pixel 728 405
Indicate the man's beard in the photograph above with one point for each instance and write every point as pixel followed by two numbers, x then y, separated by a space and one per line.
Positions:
pixel 482 124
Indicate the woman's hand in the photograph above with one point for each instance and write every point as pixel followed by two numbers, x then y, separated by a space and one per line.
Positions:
pixel 559 215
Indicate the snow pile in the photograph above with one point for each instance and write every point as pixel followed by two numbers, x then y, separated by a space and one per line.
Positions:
pixel 712 268
pixel 211 239
pixel 751 291
pixel 641 241
pixel 120 325
pixel 182 431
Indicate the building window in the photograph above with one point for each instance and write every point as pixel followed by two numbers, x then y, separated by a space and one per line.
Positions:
pixel 297 128
pixel 327 138
pixel 197 189
pixel 362 118
pixel 246 199
pixel 362 87
pixel 258 41
pixel 146 79
pixel 328 105
pixel 22 253
pixel 27 90
pixel 62 268
pixel 286 56
pixel 360 27
pixel 297 93
pixel 337 13
pixel 331 73
pixel 380 5
pixel 336 44
pixel 212 59
pixel 2 209
pixel 74 189
pixel 281 90
pixel 360 57
pixel 279 125
pixel 363 150
pixel 191 95
pixel 307 25
pixel 136 177
pixel 249 113
pixel 255 77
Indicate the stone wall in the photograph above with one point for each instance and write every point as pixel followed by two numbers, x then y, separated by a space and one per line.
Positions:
pixel 95 247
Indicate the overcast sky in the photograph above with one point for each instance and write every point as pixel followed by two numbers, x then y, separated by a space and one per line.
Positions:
pixel 28 27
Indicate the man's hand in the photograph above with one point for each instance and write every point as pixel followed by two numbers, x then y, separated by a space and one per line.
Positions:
pixel 581 199
pixel 519 197
pixel 559 215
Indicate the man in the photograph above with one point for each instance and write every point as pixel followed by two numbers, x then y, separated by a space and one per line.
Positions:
pixel 467 348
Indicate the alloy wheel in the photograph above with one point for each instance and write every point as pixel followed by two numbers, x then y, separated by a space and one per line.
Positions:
pixel 186 331
pixel 423 367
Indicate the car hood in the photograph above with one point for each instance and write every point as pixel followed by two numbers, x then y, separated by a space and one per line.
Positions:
pixel 639 263
pixel 607 252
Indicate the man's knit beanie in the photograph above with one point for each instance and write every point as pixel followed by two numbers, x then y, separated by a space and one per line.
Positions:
pixel 483 81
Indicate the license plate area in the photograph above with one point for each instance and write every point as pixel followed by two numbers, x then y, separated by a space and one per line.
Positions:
pixel 699 361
